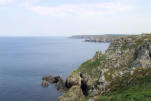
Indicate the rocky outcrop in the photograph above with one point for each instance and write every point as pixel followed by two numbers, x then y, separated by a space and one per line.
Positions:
pixel 126 60
pixel 59 82
pixel 44 83
pixel 74 79
pixel 49 79
pixel 74 94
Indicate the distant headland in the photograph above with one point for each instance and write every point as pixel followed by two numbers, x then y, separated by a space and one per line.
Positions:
pixel 98 38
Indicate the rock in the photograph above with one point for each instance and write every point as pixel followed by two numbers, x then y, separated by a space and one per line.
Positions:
pixel 98 54
pixel 52 79
pixel 59 82
pixel 44 83
pixel 58 78
pixel 91 99
pixel 126 60
pixel 72 80
pixel 143 56
pixel 74 94
pixel 49 78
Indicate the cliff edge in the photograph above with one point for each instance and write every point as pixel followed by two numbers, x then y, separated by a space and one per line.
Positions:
pixel 126 63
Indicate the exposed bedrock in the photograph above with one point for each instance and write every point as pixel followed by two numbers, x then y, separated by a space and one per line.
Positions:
pixel 57 80
pixel 126 60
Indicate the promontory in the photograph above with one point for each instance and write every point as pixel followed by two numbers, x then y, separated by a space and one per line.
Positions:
pixel 122 73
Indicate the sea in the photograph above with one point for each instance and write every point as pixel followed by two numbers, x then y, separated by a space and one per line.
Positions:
pixel 24 60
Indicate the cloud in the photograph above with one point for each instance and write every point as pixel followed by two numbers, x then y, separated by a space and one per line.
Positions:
pixel 88 9
pixel 3 2
pixel 28 3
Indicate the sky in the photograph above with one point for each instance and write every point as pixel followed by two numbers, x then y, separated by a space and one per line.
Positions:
pixel 74 17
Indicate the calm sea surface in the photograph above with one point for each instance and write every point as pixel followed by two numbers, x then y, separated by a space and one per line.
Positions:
pixel 24 60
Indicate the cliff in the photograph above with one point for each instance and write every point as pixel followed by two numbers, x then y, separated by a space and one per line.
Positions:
pixel 122 72
pixel 98 38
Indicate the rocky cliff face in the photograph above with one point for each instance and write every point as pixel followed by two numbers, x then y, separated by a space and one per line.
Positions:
pixel 126 60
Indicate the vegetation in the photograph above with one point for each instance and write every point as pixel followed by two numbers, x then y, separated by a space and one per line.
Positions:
pixel 137 42
pixel 140 91
pixel 122 73
pixel 89 64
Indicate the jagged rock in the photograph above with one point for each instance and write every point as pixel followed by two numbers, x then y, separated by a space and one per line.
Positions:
pixel 59 82
pixel 60 85
pixel 73 79
pixel 49 78
pixel 143 56
pixel 74 94
pixel 44 83
pixel 58 78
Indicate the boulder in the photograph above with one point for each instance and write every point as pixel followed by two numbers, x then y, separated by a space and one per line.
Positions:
pixel 59 82
pixel 74 94
pixel 73 79
pixel 44 83
pixel 49 78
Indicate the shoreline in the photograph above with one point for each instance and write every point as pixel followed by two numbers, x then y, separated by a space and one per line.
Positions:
pixel 96 77
pixel 98 38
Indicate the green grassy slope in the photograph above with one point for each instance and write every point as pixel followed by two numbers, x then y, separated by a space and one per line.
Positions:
pixel 139 91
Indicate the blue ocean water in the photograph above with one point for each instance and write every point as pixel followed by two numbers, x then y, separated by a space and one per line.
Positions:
pixel 24 60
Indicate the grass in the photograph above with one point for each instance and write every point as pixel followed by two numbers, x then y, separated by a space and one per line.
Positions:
pixel 140 91
pixel 90 64
pixel 138 41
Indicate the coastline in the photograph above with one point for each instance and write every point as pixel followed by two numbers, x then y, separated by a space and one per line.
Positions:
pixel 99 76
pixel 106 38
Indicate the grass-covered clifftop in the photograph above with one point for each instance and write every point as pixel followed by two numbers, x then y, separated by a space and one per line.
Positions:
pixel 138 91
pixel 122 72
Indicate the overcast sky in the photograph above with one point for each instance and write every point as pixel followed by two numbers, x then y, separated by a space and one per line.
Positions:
pixel 73 17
